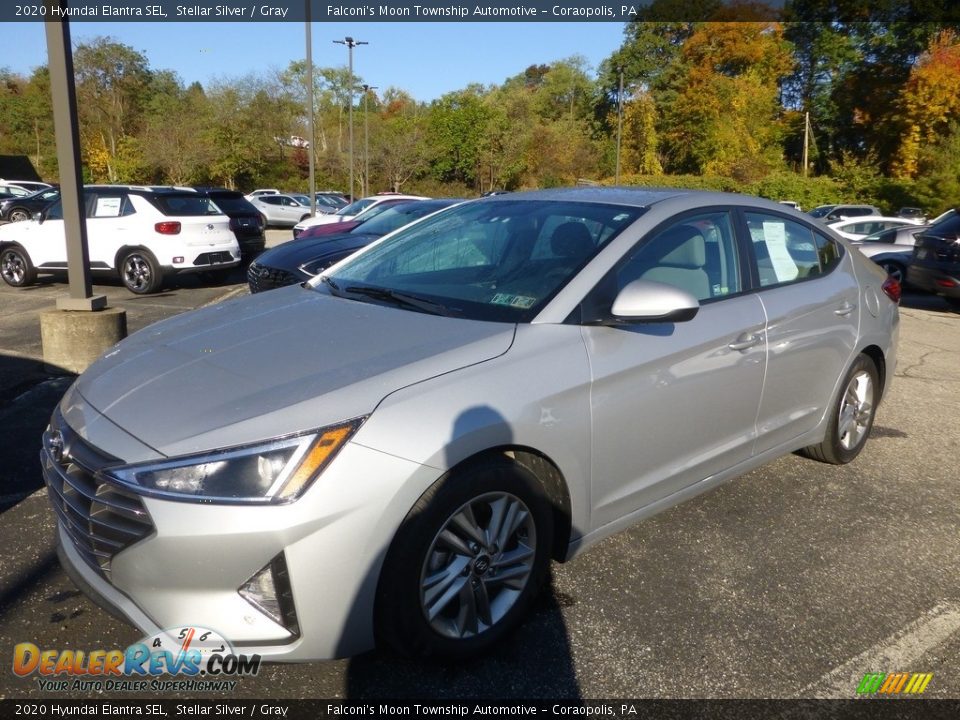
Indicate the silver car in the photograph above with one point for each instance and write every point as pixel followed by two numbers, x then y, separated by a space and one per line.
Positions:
pixel 394 452
pixel 891 249
pixel 282 210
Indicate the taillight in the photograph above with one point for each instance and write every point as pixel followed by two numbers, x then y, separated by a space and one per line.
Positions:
pixel 170 227
pixel 891 286
pixel 946 282
pixel 234 224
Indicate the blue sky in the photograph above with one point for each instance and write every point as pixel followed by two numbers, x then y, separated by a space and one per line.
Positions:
pixel 425 59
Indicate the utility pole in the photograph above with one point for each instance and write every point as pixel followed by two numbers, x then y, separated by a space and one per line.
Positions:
pixel 310 129
pixel 619 124
pixel 351 44
pixel 806 140
pixel 366 140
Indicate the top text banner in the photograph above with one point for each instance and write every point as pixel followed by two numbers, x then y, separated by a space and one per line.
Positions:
pixel 477 11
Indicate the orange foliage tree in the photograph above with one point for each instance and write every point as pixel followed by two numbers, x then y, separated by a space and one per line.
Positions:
pixel 929 101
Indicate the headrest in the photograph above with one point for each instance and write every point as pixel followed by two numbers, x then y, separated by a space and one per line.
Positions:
pixel 682 246
pixel 571 240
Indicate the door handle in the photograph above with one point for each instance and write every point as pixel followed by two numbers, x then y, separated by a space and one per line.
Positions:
pixel 745 341
pixel 845 309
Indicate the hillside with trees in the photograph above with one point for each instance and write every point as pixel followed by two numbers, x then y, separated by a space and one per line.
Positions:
pixel 719 104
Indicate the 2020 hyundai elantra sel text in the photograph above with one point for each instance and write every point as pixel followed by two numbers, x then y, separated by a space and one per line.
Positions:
pixel 395 451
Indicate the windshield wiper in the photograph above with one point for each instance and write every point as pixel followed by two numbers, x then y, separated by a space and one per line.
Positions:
pixel 334 288
pixel 400 298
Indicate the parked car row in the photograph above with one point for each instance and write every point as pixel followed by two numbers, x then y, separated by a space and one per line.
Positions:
pixel 140 233
pixel 351 211
pixel 308 255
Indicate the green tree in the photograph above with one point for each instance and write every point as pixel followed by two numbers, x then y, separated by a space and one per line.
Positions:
pixel 112 81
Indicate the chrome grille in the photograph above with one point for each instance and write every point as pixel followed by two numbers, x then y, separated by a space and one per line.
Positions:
pixel 101 518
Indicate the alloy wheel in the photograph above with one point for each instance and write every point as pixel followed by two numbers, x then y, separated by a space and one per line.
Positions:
pixel 136 272
pixel 856 410
pixel 478 565
pixel 13 268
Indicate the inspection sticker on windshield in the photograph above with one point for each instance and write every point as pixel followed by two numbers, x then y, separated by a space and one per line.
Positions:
pixel 517 301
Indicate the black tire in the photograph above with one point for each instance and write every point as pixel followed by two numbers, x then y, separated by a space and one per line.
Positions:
pixel 15 267
pixel 499 584
pixel 895 270
pixel 140 272
pixel 852 415
pixel 18 214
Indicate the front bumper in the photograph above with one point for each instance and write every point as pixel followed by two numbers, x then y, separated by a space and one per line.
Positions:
pixel 188 569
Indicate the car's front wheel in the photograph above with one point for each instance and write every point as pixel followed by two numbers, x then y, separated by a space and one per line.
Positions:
pixel 140 272
pixel 852 415
pixel 466 563
pixel 16 268
pixel 19 215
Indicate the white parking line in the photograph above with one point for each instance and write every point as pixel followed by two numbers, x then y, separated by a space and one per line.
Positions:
pixel 226 296
pixel 897 653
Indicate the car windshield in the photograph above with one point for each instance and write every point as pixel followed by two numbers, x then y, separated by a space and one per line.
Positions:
pixel 355 208
pixel 821 211
pixel 489 260
pixel 394 217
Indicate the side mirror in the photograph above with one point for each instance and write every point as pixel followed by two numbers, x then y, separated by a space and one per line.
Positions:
pixel 39 217
pixel 643 301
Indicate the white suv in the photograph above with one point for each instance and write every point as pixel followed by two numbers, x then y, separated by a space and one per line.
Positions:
pixel 140 233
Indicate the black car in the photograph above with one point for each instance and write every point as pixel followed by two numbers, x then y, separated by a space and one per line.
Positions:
pixel 245 220
pixel 15 209
pixel 935 266
pixel 299 260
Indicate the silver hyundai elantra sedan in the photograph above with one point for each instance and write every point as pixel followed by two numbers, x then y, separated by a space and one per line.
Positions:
pixel 394 452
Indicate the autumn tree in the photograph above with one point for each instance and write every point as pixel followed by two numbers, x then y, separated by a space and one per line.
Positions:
pixel 724 118
pixel 639 137
pixel 929 101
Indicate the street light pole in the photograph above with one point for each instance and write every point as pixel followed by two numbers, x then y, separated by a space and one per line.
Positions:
pixel 366 140
pixel 619 124
pixel 311 132
pixel 351 44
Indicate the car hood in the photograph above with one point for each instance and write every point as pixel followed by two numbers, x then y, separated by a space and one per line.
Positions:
pixel 297 252
pixel 272 364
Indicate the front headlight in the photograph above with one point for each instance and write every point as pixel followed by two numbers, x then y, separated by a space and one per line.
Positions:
pixel 277 471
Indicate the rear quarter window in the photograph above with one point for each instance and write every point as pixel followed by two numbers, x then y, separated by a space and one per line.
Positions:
pixel 787 251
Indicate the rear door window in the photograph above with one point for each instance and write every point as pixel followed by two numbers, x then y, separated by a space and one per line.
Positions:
pixel 786 251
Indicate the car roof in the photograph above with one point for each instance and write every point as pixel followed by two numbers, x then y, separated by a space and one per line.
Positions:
pixel 645 197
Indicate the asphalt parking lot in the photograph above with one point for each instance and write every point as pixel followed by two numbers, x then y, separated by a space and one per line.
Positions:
pixel 792 581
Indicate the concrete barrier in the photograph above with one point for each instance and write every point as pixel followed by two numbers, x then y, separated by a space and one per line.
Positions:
pixel 72 340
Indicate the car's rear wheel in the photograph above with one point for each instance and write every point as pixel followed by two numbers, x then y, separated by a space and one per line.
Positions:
pixel 852 416
pixel 19 215
pixel 466 563
pixel 16 268
pixel 894 270
pixel 140 272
